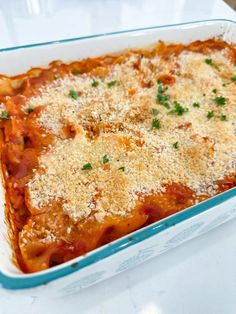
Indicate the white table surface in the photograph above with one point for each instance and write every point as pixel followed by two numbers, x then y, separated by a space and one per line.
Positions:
pixel 198 277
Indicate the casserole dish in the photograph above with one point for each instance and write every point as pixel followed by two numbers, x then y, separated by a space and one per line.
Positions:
pixel 151 240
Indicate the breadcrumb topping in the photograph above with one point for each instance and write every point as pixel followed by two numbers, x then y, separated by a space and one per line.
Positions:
pixel 152 134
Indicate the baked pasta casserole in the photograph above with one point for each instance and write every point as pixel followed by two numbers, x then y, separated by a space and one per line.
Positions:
pixel 98 148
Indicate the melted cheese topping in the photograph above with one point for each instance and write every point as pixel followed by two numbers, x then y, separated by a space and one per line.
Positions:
pixel 117 122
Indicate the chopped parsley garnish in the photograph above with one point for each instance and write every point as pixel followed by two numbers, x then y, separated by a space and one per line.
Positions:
pixel 196 104
pixel 162 101
pixel 156 124
pixel 220 101
pixel 210 62
pixel 73 94
pixel 30 109
pixel 4 115
pixel 166 105
pixel 210 114
pixel 223 117
pixel 122 169
pixel 176 145
pixel 233 78
pixel 161 89
pixel 87 166
pixel 111 83
pixel 214 91
pixel 155 111
pixel 161 97
pixel 95 83
pixel 179 110
pixel 105 159
pixel 178 73
pixel 226 84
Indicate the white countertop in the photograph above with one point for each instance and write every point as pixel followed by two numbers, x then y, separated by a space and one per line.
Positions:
pixel 198 277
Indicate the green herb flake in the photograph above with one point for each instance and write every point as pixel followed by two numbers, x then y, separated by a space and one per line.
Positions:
pixel 87 166
pixel 210 114
pixel 220 101
pixel 161 97
pixel 161 89
pixel 5 115
pixel 214 91
pixel 176 145
pixel 233 78
pixel 179 110
pixel 196 105
pixel 155 111
pixel 209 61
pixel 111 83
pixel 105 159
pixel 156 124
pixel 178 73
pixel 223 117
pixel 166 105
pixel 73 94
pixel 30 109
pixel 122 169
pixel 95 83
